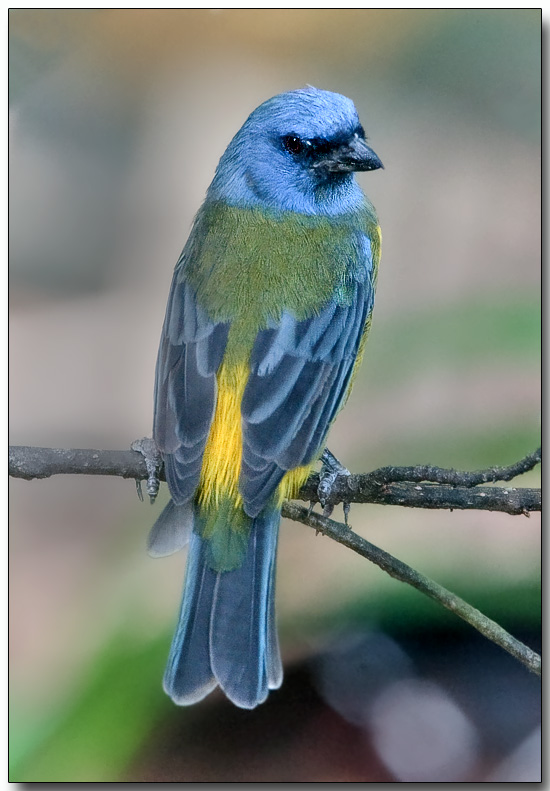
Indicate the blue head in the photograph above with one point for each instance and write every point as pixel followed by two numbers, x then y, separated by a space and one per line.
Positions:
pixel 296 152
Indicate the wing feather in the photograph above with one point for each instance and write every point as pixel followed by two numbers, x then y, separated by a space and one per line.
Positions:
pixel 300 375
pixel 191 350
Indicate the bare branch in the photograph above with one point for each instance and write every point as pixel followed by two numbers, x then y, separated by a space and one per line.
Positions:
pixel 400 571
pixel 452 477
pixel 442 488
pixel 30 462
pixel 388 486
pixel 362 489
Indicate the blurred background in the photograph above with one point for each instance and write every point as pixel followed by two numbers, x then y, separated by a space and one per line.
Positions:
pixel 117 121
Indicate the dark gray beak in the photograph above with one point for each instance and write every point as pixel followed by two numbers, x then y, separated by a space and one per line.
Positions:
pixel 353 155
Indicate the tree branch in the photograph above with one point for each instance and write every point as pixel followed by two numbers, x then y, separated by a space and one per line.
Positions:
pixel 387 486
pixel 440 488
pixel 30 462
pixel 400 571
pixel 455 477
pixel 443 488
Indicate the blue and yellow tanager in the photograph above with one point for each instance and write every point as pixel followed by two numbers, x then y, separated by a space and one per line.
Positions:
pixel 268 313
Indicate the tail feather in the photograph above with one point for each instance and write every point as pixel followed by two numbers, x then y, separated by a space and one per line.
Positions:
pixel 188 677
pixel 274 664
pixel 226 633
pixel 171 531
pixel 239 629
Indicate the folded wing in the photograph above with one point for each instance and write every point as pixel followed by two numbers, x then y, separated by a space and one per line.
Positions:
pixel 300 375
pixel 191 350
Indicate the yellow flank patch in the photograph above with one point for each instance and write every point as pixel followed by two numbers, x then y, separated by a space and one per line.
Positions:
pixel 221 463
pixel 293 482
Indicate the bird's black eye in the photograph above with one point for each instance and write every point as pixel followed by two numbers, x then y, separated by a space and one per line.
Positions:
pixel 293 144
pixel 360 131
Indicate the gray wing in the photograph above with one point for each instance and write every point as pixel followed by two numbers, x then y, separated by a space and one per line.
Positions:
pixel 300 373
pixel 191 350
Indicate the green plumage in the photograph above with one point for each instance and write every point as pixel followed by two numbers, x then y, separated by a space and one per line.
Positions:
pixel 226 529
pixel 249 265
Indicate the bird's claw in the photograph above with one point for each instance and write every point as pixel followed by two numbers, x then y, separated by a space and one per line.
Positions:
pixel 153 461
pixel 346 507
pixel 330 471
pixel 326 482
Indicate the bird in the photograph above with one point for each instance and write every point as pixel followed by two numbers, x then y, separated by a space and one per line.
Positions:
pixel 268 312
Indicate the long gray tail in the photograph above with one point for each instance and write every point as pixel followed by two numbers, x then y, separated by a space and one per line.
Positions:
pixel 227 633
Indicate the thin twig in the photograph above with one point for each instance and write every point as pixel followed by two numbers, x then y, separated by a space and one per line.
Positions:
pixel 375 487
pixel 390 486
pixel 400 571
pixel 452 477
pixel 30 462
pixel 442 488
pixel 360 489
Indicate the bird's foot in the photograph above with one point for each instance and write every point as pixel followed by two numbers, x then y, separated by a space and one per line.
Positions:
pixel 153 461
pixel 330 471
